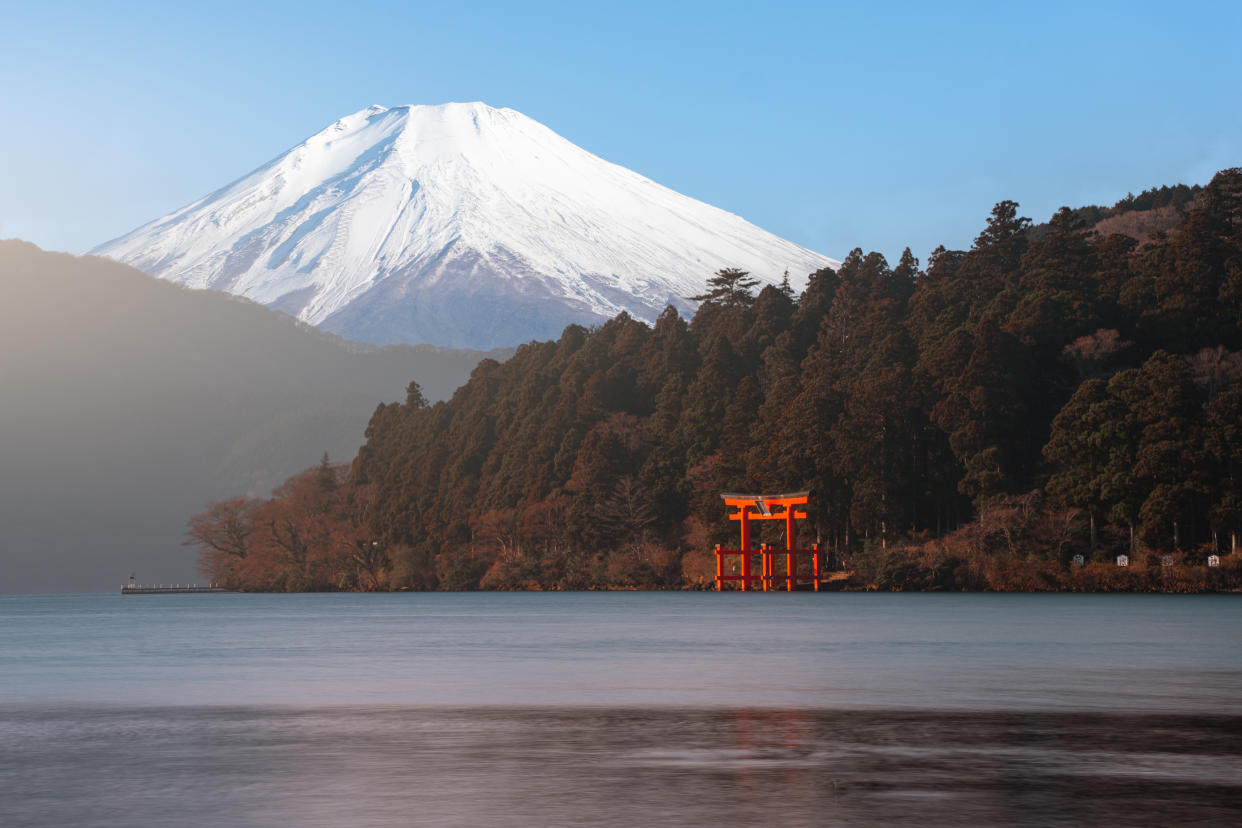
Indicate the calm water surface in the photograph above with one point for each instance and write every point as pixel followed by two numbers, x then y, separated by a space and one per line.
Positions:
pixel 530 709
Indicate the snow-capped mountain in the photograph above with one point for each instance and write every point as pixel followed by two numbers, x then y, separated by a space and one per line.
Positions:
pixel 457 225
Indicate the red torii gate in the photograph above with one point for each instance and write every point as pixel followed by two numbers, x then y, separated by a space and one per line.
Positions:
pixel 768 507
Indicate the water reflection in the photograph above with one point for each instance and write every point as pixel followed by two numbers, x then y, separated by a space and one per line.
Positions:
pixel 612 767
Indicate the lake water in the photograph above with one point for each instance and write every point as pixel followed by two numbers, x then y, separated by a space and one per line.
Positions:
pixel 618 709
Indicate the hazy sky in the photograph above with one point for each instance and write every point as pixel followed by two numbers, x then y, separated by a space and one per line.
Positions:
pixel 835 125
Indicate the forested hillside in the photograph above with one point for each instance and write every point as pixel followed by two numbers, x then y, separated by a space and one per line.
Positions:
pixel 972 423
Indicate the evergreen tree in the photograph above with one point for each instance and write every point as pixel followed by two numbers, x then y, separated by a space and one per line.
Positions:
pixel 414 398
pixel 729 288
pixel 1223 441
pixel 1084 446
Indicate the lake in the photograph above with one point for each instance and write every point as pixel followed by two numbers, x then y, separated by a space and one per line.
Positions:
pixel 538 709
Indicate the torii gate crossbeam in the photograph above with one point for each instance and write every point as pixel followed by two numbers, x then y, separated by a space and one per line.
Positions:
pixel 768 507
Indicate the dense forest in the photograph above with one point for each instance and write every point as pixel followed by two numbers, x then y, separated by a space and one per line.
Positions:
pixel 973 423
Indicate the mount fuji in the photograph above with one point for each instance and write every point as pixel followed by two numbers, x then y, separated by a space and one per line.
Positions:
pixel 457 225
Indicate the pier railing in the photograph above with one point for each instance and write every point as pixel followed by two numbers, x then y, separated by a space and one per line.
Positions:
pixel 139 589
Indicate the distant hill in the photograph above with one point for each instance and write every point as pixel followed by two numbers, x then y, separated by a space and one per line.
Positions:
pixel 129 402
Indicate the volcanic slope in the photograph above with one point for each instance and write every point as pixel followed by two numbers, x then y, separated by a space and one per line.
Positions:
pixel 457 225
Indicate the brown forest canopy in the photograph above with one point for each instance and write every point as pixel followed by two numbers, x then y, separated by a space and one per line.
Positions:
pixel 1084 376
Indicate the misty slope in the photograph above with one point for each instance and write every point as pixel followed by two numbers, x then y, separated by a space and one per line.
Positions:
pixel 458 225
pixel 129 403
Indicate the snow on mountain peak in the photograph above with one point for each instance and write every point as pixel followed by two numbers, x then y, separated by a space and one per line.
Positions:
pixel 457 224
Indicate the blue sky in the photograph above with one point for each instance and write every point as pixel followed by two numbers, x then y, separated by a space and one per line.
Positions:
pixel 877 125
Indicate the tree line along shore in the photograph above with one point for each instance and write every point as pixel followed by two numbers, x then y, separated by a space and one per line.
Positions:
pixel 975 422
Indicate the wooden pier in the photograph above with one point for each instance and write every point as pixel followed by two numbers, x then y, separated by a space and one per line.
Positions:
pixel 134 589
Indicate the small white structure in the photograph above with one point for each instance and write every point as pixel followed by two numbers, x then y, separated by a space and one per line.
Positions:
pixel 1166 560
pixel 1079 560
pixel 1123 560
pixel 1213 560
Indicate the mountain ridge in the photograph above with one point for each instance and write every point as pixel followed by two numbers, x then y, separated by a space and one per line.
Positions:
pixel 458 225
